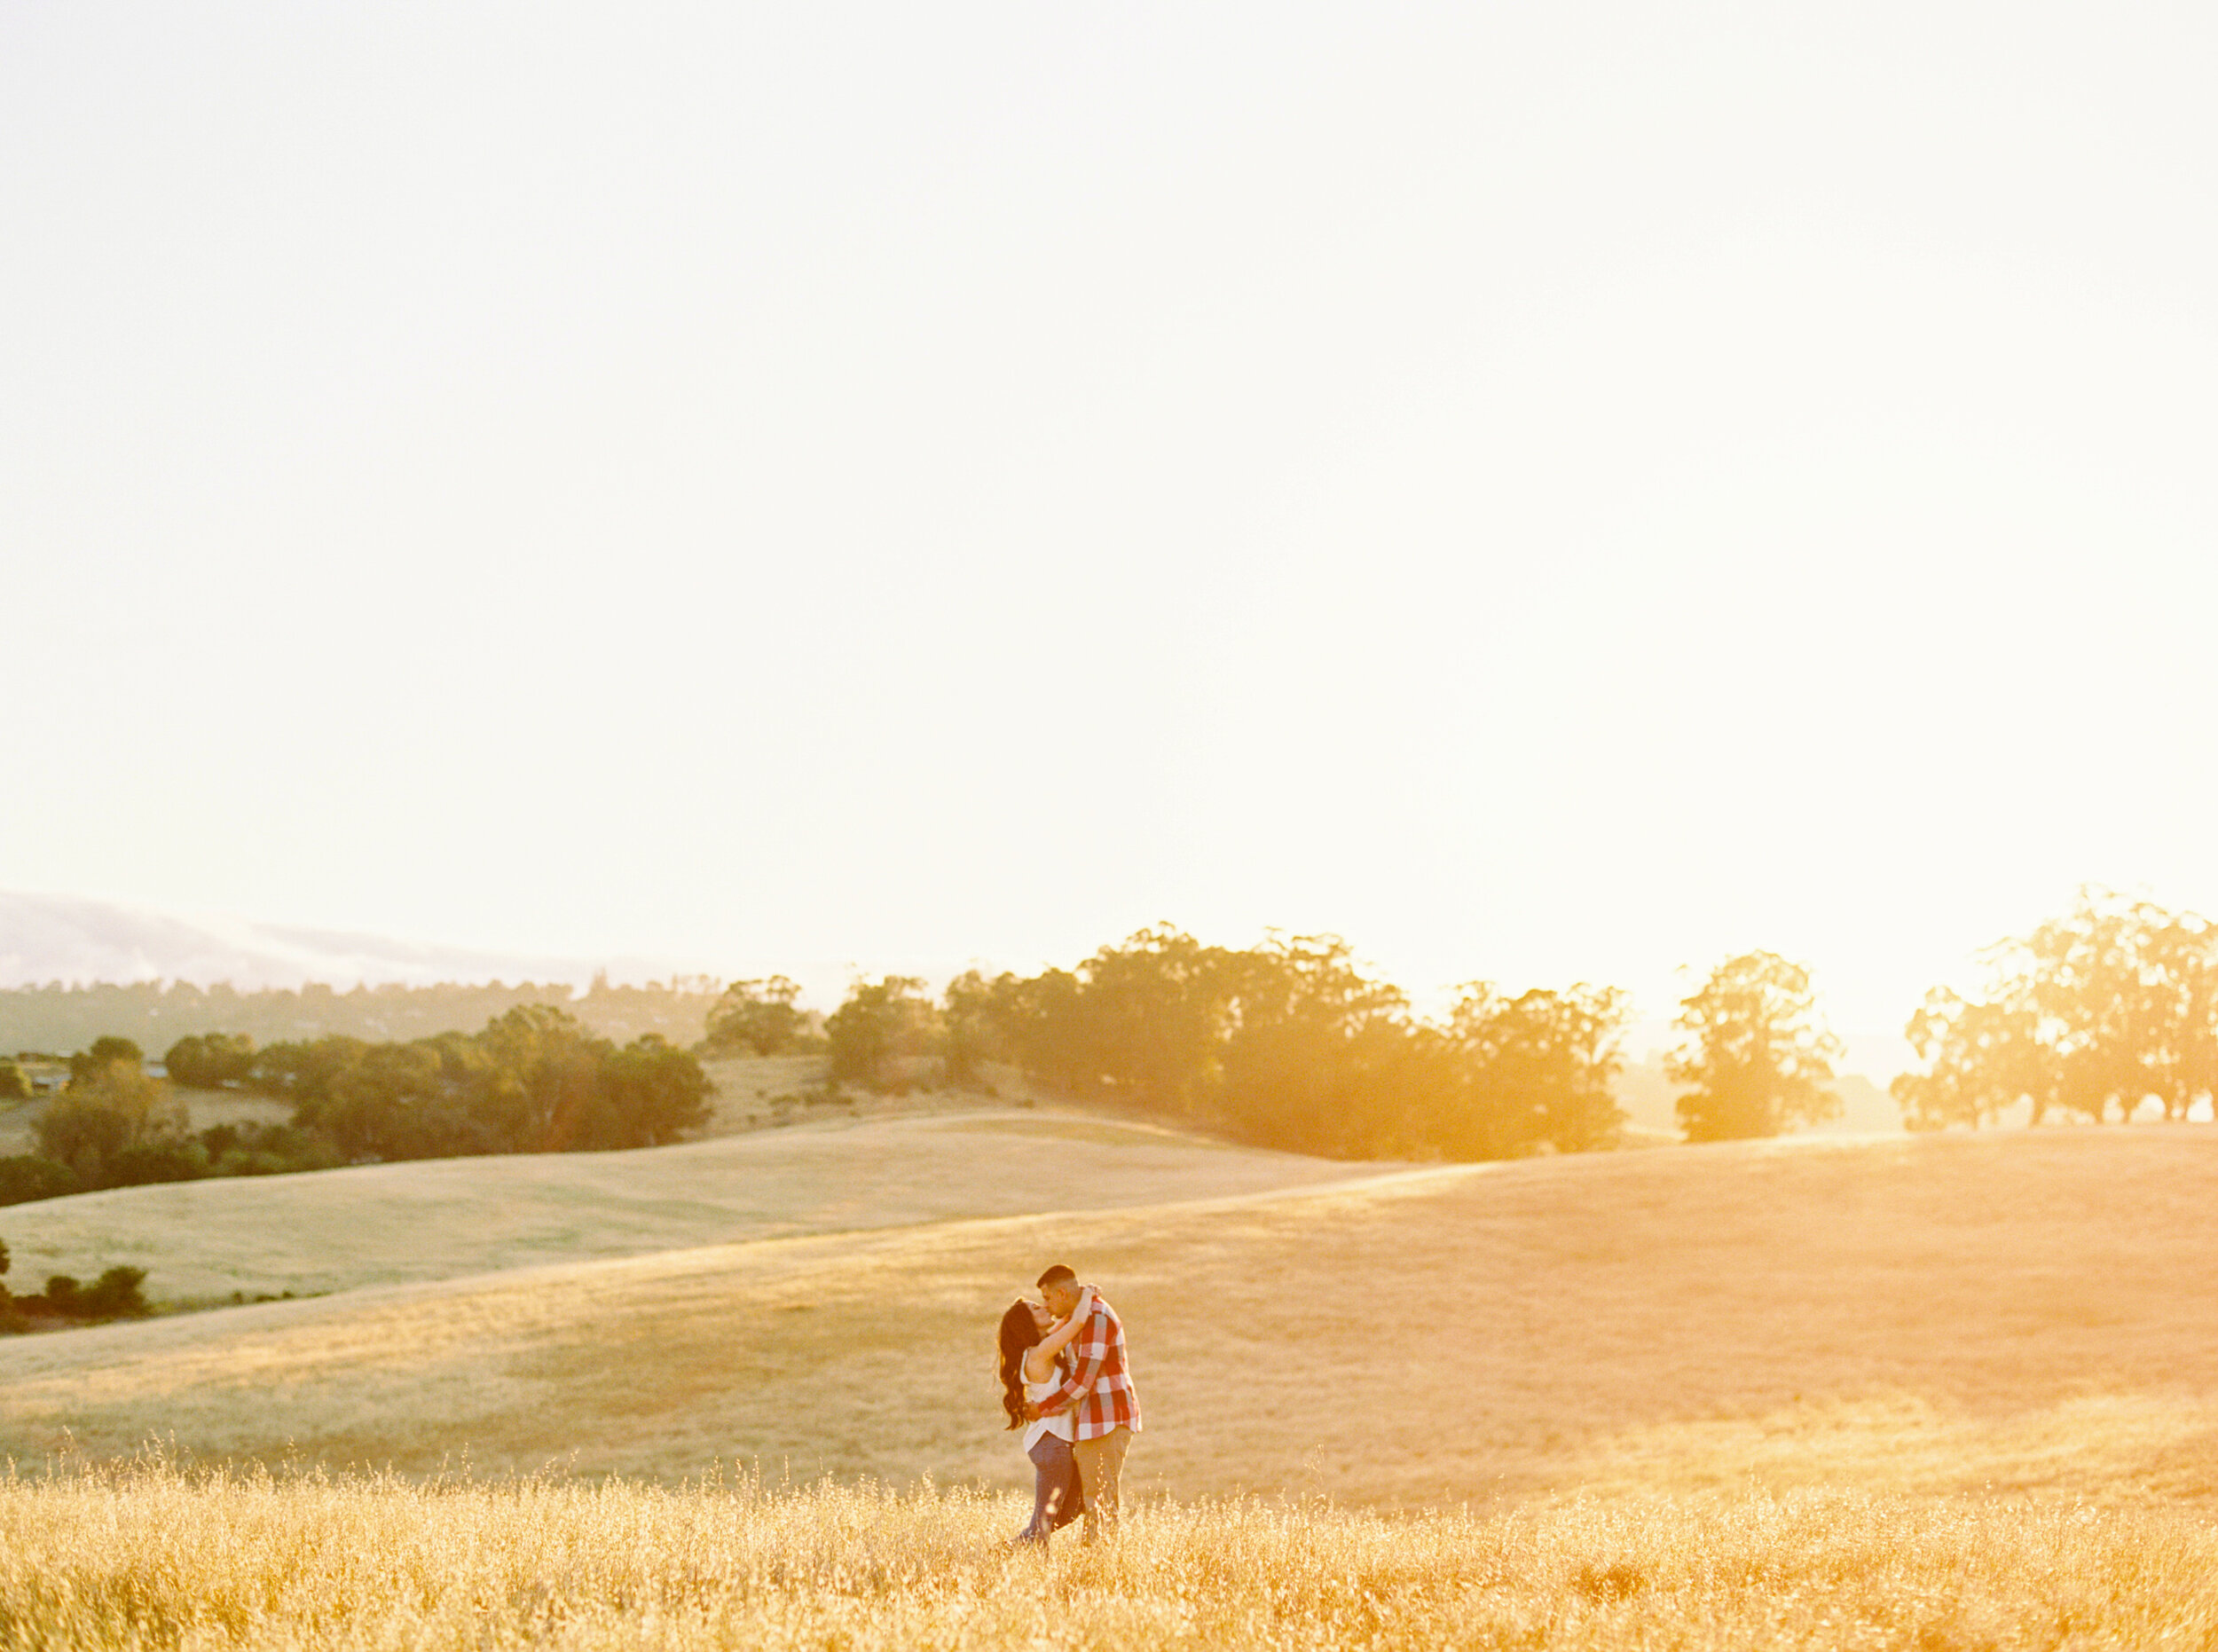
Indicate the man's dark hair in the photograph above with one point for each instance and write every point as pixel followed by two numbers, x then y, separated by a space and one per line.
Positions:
pixel 1057 1275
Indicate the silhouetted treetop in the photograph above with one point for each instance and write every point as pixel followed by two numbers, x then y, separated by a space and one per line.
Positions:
pixel 1754 1049
pixel 2114 1005
pixel 1290 1043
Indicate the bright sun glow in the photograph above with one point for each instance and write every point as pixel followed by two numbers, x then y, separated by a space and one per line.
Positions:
pixel 1549 497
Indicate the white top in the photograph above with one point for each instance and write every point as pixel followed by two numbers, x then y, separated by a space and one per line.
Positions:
pixel 1060 1424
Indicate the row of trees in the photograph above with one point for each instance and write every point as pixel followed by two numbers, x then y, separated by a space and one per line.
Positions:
pixel 2109 1010
pixel 534 1080
pixel 2113 1007
pixel 1294 1044
pixel 59 1015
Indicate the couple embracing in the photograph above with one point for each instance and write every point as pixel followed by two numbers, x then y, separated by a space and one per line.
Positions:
pixel 1066 1383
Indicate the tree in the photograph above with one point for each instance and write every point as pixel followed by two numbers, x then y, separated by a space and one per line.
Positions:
pixel 759 1016
pixel 303 1073
pixel 543 1079
pixel 652 1093
pixel 1533 1070
pixel 1153 1017
pixel 88 1066
pixel 2113 1004
pixel 1754 1049
pixel 210 1060
pixel 1981 1060
pixel 882 1032
pixel 971 1035
pixel 15 1083
pixel 2118 986
pixel 1318 1054
pixel 394 1104
pixel 2180 955
pixel 1034 1021
pixel 90 1126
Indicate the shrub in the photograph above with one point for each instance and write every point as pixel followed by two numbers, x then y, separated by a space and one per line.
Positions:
pixel 27 1177
pixel 89 1066
pixel 268 1150
pixel 115 1294
pixel 165 1161
pixel 650 1093
pixel 81 1132
pixel 209 1061
pixel 759 1016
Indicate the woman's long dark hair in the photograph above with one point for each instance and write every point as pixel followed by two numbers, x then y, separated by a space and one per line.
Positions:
pixel 1020 1335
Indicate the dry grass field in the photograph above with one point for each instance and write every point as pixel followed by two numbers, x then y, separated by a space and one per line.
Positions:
pixel 441 1219
pixel 154 1558
pixel 1935 1394
pixel 2017 1314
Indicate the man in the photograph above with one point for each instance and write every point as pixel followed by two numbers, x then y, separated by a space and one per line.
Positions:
pixel 1105 1405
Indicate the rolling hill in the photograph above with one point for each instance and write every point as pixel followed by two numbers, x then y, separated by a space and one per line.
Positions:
pixel 2022 1311
pixel 437 1218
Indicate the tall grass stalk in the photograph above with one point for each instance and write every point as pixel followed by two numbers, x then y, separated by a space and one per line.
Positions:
pixel 151 1556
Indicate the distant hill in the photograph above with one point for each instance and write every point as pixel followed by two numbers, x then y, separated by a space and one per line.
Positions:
pixel 72 970
pixel 58 942
pixel 69 939
pixel 439 1218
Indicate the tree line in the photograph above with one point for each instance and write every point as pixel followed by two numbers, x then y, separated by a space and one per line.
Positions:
pixel 1290 1043
pixel 1295 1044
pixel 118 1294
pixel 65 1017
pixel 2113 1007
pixel 534 1080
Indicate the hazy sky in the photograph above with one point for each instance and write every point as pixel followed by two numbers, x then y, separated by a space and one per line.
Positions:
pixel 1546 492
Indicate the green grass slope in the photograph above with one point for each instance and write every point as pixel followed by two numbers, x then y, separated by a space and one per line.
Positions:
pixel 381 1225
pixel 2024 1312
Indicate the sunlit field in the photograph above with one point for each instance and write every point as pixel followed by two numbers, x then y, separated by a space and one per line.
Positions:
pixel 1932 1315
pixel 152 1558
pixel 443 1218
pixel 1936 1392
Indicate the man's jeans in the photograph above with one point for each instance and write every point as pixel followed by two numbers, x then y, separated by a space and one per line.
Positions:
pixel 1100 1465
pixel 1056 1501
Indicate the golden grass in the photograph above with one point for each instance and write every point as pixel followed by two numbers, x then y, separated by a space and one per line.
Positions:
pixel 1943 1393
pixel 745 1090
pixel 381 1225
pixel 151 1558
pixel 1930 1316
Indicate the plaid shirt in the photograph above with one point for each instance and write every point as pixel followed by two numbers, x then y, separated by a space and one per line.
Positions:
pixel 1099 1393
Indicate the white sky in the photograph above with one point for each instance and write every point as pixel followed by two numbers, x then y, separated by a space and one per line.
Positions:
pixel 1547 492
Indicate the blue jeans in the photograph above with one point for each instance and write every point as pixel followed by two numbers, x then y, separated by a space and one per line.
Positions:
pixel 1056 1498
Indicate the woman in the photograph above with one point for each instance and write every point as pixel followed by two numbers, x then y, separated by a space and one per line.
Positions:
pixel 1030 1342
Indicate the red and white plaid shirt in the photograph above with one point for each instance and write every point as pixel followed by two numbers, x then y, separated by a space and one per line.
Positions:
pixel 1099 1394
